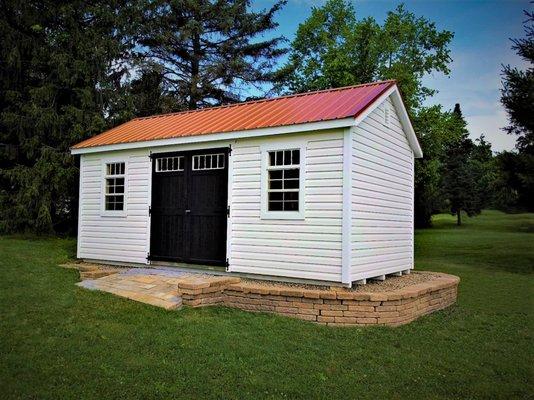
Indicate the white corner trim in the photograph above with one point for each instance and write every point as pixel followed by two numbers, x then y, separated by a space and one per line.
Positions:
pixel 229 227
pixel 80 208
pixel 347 208
pixel 149 218
pixel 277 130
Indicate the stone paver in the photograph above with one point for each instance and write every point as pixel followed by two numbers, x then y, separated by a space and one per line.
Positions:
pixel 170 289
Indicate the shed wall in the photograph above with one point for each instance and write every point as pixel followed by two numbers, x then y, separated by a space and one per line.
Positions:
pixel 309 248
pixel 114 238
pixel 382 196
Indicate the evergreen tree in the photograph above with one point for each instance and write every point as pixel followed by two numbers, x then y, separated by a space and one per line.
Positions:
pixel 209 50
pixel 518 100
pixel 459 177
pixel 59 72
pixel 437 130
pixel 518 91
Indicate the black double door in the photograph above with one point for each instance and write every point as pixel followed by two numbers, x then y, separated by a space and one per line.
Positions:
pixel 189 206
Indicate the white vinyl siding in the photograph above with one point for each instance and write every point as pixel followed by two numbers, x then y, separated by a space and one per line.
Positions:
pixel 382 196
pixel 309 248
pixel 121 238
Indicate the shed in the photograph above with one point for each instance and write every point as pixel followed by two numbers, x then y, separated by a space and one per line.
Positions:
pixel 315 187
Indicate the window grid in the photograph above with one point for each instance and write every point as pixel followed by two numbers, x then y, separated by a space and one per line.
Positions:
pixel 114 190
pixel 170 164
pixel 283 177
pixel 207 162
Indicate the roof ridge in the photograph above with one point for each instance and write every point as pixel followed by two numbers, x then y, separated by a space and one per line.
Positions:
pixel 267 100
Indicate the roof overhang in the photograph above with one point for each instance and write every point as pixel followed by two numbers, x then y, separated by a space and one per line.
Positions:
pixel 276 130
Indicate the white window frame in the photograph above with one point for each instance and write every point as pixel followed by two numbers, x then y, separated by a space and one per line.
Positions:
pixel 218 157
pixel 113 213
pixel 181 159
pixel 279 146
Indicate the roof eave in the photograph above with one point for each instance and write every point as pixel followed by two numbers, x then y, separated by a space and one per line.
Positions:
pixel 212 137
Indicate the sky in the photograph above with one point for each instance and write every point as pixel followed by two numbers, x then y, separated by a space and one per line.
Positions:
pixel 481 45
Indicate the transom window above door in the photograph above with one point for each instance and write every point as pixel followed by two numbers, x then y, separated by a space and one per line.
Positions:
pixel 114 186
pixel 170 164
pixel 208 161
pixel 283 180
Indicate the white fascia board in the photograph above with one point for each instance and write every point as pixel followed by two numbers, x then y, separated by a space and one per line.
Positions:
pixel 403 115
pixel 277 130
pixel 406 123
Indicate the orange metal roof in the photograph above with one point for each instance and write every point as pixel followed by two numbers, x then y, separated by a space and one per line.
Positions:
pixel 301 108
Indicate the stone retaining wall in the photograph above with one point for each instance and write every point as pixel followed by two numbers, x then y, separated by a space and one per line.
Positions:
pixel 332 307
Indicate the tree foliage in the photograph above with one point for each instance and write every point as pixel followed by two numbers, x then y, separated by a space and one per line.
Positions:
pixel 516 176
pixel 58 75
pixel 333 48
pixel 209 50
pixel 459 173
pixel 518 90
pixel 70 69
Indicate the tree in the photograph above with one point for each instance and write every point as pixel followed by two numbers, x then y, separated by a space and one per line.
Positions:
pixel 459 178
pixel 517 96
pixel 333 48
pixel 437 129
pixel 59 71
pixel 209 50
pixel 518 91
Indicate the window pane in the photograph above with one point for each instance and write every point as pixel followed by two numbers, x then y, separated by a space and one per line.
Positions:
pixel 275 184
pixel 279 174
pixel 287 157
pixel 276 196
pixel 291 206
pixel 291 196
pixel 279 157
pixel 296 157
pixel 291 184
pixel 276 206
pixel 291 173
pixel 271 158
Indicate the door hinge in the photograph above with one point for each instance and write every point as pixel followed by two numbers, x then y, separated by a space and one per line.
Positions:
pixel 229 149
pixel 148 256
pixel 227 264
pixel 149 210
pixel 228 211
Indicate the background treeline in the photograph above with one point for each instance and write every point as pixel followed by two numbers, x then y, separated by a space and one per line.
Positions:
pixel 72 69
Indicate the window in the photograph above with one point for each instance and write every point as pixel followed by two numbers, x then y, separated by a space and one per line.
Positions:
pixel 208 161
pixel 114 190
pixel 170 164
pixel 283 180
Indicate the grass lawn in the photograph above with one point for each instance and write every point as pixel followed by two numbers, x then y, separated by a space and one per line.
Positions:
pixel 59 341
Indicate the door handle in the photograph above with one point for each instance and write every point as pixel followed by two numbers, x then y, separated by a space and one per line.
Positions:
pixel 187 211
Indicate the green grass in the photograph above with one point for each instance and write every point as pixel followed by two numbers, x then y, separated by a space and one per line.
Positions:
pixel 59 341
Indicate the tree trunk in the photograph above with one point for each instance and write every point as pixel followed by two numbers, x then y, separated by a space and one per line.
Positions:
pixel 459 217
pixel 195 71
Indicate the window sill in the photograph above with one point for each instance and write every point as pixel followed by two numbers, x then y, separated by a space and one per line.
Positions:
pixel 281 215
pixel 111 214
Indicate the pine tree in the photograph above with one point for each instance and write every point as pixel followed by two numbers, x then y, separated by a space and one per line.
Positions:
pixel 518 90
pixel 459 178
pixel 209 50
pixel 59 76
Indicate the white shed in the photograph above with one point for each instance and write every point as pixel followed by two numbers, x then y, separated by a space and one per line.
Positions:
pixel 314 187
